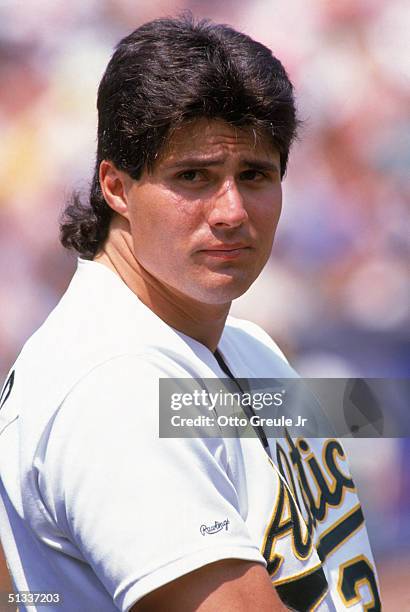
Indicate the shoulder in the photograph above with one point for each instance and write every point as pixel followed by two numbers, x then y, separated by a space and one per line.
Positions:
pixel 253 333
pixel 97 321
pixel 257 354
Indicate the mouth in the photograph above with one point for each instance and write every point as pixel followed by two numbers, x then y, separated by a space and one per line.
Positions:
pixel 226 252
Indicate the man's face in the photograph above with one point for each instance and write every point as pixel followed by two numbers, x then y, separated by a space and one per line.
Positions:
pixel 203 221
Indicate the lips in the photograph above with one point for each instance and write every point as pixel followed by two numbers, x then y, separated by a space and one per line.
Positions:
pixel 226 251
pixel 226 247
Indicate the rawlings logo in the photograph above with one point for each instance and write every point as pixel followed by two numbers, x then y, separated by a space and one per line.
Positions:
pixel 217 526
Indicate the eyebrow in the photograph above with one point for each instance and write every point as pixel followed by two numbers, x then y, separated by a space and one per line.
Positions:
pixel 200 162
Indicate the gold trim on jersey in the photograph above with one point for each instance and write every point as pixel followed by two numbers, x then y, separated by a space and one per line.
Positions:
pixel 290 480
pixel 294 577
pixel 319 601
pixel 310 461
pixel 357 584
pixel 304 469
pixel 338 522
pixel 289 509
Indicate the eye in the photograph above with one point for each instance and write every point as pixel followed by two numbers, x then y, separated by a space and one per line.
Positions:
pixel 190 176
pixel 252 175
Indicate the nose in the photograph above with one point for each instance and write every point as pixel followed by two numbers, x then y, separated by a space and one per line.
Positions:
pixel 227 207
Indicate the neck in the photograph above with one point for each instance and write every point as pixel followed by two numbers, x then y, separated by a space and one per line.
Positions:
pixel 203 322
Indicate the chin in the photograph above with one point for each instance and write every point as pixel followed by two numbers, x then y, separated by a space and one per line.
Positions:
pixel 222 293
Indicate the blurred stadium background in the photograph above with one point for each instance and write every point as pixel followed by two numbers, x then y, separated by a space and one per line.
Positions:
pixel 335 293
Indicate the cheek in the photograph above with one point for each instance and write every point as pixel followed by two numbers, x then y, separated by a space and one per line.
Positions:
pixel 267 214
pixel 147 214
pixel 162 226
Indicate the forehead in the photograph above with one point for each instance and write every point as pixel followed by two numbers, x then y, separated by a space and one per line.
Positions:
pixel 203 137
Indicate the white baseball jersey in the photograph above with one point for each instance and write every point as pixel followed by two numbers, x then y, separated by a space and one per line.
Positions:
pixel 97 511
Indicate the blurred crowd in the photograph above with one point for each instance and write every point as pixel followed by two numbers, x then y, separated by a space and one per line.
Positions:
pixel 335 293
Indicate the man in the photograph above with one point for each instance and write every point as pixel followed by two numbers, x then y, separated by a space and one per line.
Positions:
pixel 195 126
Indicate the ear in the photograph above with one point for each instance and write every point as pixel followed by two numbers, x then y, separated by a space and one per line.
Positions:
pixel 114 187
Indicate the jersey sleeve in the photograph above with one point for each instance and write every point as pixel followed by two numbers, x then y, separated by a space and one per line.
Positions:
pixel 140 510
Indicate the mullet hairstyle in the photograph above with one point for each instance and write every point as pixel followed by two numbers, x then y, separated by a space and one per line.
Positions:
pixel 167 72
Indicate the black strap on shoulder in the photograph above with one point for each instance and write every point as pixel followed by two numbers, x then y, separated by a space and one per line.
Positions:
pixel 224 366
pixel 248 410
